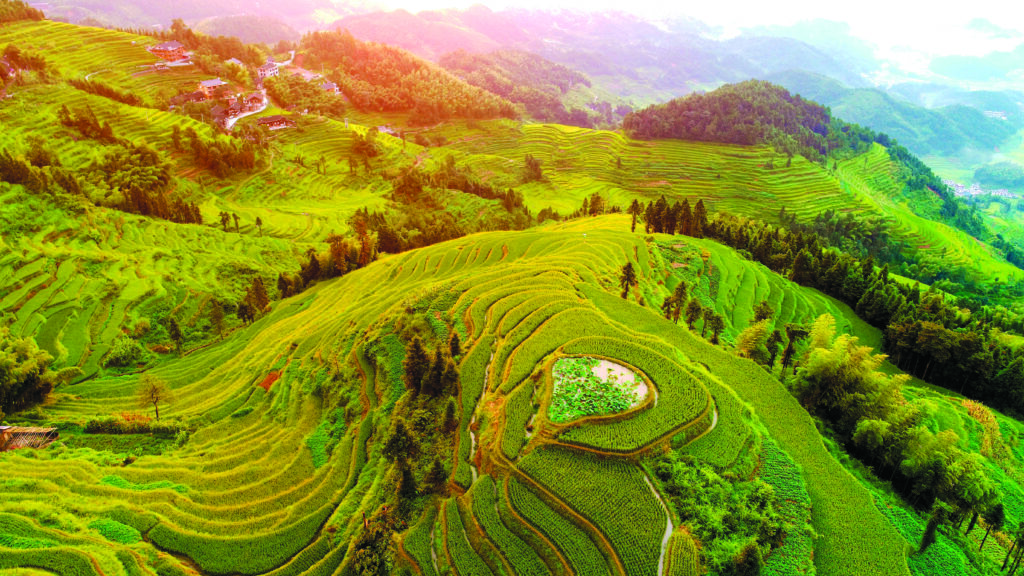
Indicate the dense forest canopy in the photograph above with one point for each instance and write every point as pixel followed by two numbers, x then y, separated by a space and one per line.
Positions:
pixel 14 10
pixel 382 78
pixel 522 78
pixel 758 112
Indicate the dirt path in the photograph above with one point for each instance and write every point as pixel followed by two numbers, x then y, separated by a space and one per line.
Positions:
pixel 668 522
pixel 472 421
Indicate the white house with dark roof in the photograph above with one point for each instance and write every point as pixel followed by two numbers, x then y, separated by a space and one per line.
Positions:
pixel 267 70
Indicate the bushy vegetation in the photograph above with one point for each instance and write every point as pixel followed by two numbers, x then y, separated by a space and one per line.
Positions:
pixel 25 374
pixel 537 84
pixel 382 78
pixel 14 10
pixel 758 112
pixel 294 92
pixel 723 514
pixel 1007 174
pixel 578 392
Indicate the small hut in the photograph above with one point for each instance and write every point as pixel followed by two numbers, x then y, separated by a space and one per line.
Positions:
pixel 14 437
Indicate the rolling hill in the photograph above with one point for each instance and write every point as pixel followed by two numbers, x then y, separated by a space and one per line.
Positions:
pixel 941 131
pixel 403 410
pixel 643 64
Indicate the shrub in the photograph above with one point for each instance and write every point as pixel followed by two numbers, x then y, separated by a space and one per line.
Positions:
pixel 125 351
pixel 120 426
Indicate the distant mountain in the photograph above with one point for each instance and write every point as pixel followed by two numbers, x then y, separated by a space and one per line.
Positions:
pixel 761 113
pixel 996 66
pixel 643 61
pixel 943 131
pixel 380 78
pixel 831 38
pixel 419 33
pixel 248 28
pixel 931 95
pixel 524 78
pixel 299 14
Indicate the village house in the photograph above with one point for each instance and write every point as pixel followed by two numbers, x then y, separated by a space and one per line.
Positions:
pixel 209 87
pixel 197 96
pixel 267 70
pixel 239 105
pixel 235 61
pixel 275 122
pixel 252 102
pixel 171 51
pixel 330 87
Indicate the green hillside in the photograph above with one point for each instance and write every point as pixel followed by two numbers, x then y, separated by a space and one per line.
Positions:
pixel 944 131
pixel 361 345
pixel 338 388
pixel 280 476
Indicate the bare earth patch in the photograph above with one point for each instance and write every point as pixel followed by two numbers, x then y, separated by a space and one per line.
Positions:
pixel 606 369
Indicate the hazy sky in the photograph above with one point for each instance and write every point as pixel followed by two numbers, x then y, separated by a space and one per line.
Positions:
pixel 907 32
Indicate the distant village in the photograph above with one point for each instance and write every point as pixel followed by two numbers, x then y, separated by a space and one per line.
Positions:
pixel 232 105
pixel 976 190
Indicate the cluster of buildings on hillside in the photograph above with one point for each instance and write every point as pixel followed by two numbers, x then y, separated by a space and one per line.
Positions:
pixel 976 190
pixel 230 104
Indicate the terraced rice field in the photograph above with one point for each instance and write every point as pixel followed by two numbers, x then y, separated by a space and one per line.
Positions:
pixel 89 283
pixel 255 489
pixel 580 162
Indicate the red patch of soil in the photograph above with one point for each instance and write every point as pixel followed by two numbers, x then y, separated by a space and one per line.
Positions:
pixel 269 380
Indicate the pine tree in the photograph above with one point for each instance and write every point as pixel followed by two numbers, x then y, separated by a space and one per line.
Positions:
pixel 311 271
pixel 748 561
pixel 773 347
pixel 717 325
pixel 685 219
pixel 217 317
pixel 433 382
pixel 693 311
pixel 634 211
pixel 449 378
pixel 699 225
pixel 436 478
pixel 803 271
pixel 763 311
pixel 451 419
pixel 627 279
pixel 454 345
pixel 257 297
pixel 400 443
pixel 407 484
pixel 751 342
pixel 174 331
pixel 259 225
pixel 284 287
pixel 416 365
